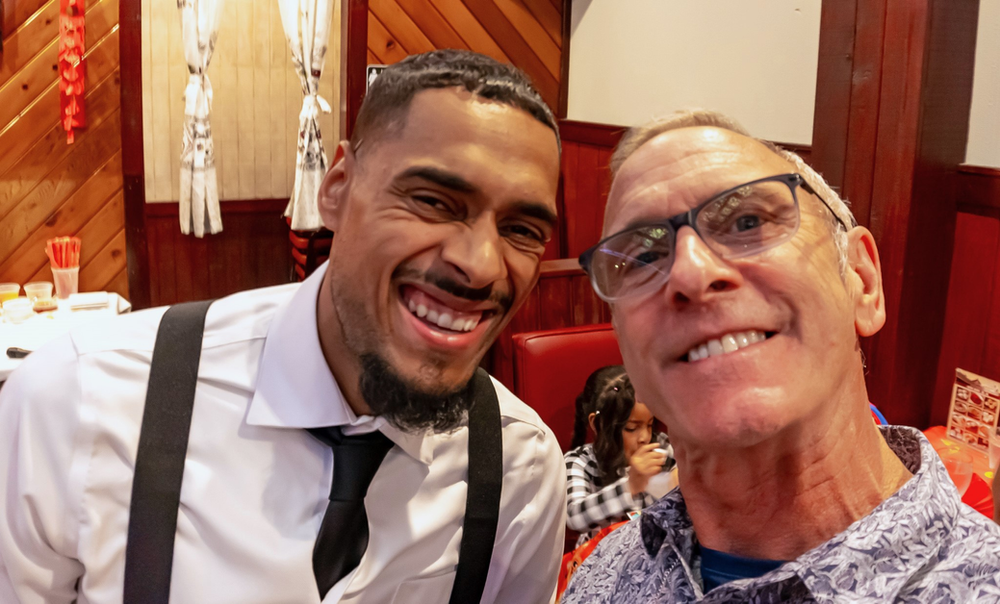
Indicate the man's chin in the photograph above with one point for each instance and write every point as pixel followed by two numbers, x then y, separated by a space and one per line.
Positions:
pixel 435 399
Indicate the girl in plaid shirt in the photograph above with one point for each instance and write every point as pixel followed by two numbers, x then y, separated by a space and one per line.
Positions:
pixel 607 480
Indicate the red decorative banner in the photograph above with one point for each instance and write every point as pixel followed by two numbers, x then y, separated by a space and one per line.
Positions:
pixel 71 68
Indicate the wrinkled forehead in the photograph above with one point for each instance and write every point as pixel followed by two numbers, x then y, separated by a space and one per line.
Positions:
pixel 679 169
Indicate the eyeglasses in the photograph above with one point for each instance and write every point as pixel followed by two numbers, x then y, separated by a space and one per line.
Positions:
pixel 742 221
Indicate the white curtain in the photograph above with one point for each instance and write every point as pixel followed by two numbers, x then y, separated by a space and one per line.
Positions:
pixel 199 203
pixel 307 28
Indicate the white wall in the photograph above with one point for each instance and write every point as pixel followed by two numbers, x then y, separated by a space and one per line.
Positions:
pixel 755 60
pixel 984 120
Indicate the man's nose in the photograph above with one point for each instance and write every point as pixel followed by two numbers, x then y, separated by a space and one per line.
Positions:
pixel 476 252
pixel 698 273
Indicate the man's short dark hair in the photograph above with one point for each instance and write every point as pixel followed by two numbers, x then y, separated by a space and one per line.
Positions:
pixel 388 100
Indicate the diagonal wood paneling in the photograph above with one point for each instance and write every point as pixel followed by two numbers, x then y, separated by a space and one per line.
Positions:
pixel 95 200
pixel 16 13
pixel 49 188
pixel 526 33
pixel 31 79
pixel 28 39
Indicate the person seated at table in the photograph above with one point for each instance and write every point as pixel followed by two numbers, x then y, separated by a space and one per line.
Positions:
pixel 740 286
pixel 607 480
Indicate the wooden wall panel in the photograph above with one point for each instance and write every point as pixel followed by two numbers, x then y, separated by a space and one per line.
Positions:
pixel 527 33
pixel 17 13
pixel 971 338
pixel 29 39
pixel 893 97
pixel 47 187
pixel 256 103
pixel 33 77
pixel 586 180
pixel 89 200
pixel 562 298
pixel 252 251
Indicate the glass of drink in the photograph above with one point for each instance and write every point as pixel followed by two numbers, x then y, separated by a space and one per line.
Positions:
pixel 38 290
pixel 958 462
pixel 9 291
pixel 994 451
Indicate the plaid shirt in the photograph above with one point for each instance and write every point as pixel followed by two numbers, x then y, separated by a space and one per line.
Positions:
pixel 920 545
pixel 590 508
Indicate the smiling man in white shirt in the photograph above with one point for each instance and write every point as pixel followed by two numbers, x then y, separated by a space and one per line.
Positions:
pixel 441 203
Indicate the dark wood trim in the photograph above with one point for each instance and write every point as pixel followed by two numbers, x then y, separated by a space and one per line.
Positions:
pixel 354 53
pixel 983 170
pixel 922 130
pixel 253 250
pixel 588 133
pixel 977 186
pixel 564 267
pixel 978 209
pixel 848 89
pixel 239 206
pixel 134 189
pixel 871 40
pixel 567 31
pixel 834 74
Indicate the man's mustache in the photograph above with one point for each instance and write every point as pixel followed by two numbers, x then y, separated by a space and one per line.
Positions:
pixel 449 285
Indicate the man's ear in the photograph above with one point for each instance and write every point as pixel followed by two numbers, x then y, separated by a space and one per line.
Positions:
pixel 865 271
pixel 335 186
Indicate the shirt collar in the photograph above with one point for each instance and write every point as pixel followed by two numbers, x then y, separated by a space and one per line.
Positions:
pixel 897 538
pixel 295 387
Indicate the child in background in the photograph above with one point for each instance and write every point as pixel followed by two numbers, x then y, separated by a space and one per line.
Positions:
pixel 607 480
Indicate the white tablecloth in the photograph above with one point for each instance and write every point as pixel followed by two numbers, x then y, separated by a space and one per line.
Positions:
pixel 43 327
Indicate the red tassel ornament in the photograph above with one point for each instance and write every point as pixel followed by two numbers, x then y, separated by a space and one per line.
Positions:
pixel 71 66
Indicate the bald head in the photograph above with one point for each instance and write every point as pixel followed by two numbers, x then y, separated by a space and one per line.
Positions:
pixel 675 170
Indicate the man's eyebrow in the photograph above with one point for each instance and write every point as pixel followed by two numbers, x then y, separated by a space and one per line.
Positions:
pixel 536 210
pixel 439 177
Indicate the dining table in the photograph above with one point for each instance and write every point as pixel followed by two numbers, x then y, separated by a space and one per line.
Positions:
pixel 40 328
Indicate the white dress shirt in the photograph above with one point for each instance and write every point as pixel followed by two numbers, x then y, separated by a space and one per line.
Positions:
pixel 255 483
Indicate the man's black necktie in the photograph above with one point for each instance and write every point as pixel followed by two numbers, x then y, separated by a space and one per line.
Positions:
pixel 343 537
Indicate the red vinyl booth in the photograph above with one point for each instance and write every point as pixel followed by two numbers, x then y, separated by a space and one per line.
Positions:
pixel 551 367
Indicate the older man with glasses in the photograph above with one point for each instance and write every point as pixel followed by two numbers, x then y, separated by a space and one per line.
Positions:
pixel 740 286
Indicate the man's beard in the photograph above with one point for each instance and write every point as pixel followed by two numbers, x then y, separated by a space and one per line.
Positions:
pixel 403 403
pixel 406 406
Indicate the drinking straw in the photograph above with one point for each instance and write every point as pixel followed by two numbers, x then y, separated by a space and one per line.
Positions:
pixel 63 252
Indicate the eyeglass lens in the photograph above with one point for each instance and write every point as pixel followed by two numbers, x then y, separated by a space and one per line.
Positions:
pixel 743 222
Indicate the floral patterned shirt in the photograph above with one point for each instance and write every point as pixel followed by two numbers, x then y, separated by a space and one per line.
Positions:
pixel 919 545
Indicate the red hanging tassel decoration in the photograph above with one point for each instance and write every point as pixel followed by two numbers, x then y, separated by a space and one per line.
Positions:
pixel 71 68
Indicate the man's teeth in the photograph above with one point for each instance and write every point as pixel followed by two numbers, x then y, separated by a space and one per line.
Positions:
pixel 731 342
pixel 443 320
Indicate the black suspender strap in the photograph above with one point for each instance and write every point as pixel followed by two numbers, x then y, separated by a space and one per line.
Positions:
pixel 482 506
pixel 159 467
pixel 159 463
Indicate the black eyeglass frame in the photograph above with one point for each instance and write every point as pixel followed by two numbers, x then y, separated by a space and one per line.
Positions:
pixel 689 218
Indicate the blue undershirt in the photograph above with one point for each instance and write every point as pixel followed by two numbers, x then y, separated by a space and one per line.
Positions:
pixel 719 568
